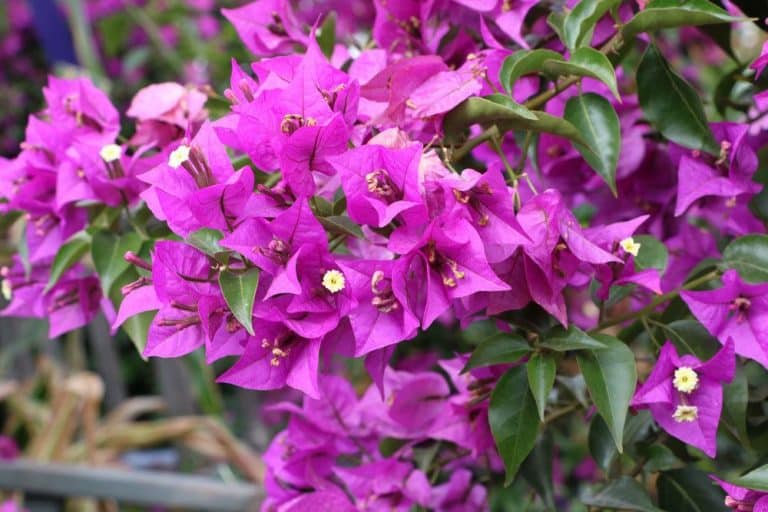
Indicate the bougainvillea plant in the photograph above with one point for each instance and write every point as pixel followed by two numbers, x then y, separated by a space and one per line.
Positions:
pixel 539 226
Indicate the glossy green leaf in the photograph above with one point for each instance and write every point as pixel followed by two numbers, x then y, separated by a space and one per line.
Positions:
pixel 749 256
pixel 598 123
pixel 661 14
pixel 513 419
pixel 652 253
pixel 610 374
pixel 524 62
pixel 326 39
pixel 623 494
pixel 689 490
pixel 660 457
pixel 207 240
pixel 601 445
pixel 587 62
pixel 541 369
pixel 508 115
pixel 136 327
pixel 341 225
pixel 756 479
pixel 573 338
pixel 69 254
pixel 671 105
pixel 689 337
pixel 580 22
pixel 500 348
pixel 239 290
pixel 108 251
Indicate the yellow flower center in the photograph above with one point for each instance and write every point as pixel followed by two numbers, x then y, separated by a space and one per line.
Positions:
pixel 686 413
pixel 110 152
pixel 630 246
pixel 686 379
pixel 178 156
pixel 333 281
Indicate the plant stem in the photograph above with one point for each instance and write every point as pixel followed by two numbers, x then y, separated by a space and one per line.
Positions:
pixel 85 47
pixel 490 133
pixel 656 302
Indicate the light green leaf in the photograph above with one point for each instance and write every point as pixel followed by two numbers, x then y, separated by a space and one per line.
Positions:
pixel 756 479
pixel 69 254
pixel 326 39
pixel 749 256
pixel 574 338
pixel 581 21
pixel 513 419
pixel 598 123
pixel 611 375
pixel 207 240
pixel 523 63
pixel 541 369
pixel 341 225
pixel 671 105
pixel 661 14
pixel 108 251
pixel 652 254
pixel 239 290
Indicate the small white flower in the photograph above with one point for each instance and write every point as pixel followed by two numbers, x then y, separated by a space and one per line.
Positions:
pixel 686 379
pixel 178 156
pixel 686 413
pixel 111 152
pixel 6 289
pixel 333 281
pixel 630 246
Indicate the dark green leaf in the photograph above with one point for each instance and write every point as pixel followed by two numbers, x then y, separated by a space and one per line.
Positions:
pixel 660 458
pixel 624 494
pixel 107 251
pixel 689 490
pixel 660 14
pixel 69 254
pixel 541 377
pixel 598 123
pixel 499 348
pixel 513 419
pixel 610 374
pixel 756 479
pixel 652 254
pixel 690 337
pixel 537 471
pixel 341 225
pixel 574 338
pixel 327 37
pixel 580 22
pixel 207 240
pixel 671 104
pixel 523 63
pixel 749 256
pixel 587 62
pixel 735 399
pixel 601 445
pixel 239 290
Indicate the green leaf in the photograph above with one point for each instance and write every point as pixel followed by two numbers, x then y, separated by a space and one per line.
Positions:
pixel 537 470
pixel 689 490
pixel 341 225
pixel 513 419
pixel 207 240
pixel 587 62
pixel 690 337
pixel 749 256
pixel 523 63
pixel 756 479
pixel 69 254
pixel 671 105
pixel 541 369
pixel 652 254
pixel 580 22
pixel 107 251
pixel 660 458
pixel 239 290
pixel 624 494
pixel 610 374
pixel 500 348
pixel 661 14
pixel 601 446
pixel 574 338
pixel 327 36
pixel 598 123
pixel 735 400
pixel 136 327
pixel 508 115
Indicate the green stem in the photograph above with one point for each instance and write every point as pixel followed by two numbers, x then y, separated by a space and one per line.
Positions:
pixel 490 133
pixel 141 18
pixel 650 308
pixel 85 46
